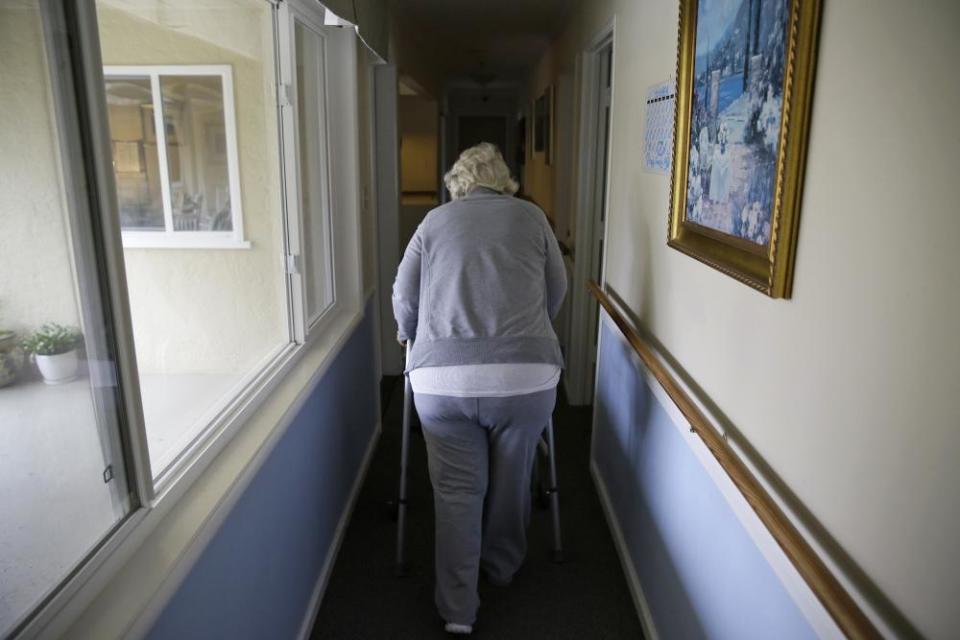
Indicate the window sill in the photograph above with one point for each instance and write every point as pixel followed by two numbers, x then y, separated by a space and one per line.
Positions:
pixel 158 545
pixel 182 240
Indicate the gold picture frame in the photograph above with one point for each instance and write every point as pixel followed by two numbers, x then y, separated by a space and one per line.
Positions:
pixel 739 159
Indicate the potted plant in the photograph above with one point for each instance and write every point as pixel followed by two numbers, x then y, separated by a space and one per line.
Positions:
pixel 54 347
pixel 11 357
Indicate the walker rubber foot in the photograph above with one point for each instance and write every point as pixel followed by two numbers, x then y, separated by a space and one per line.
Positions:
pixel 557 556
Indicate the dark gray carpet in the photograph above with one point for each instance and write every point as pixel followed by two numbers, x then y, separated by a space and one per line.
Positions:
pixel 585 597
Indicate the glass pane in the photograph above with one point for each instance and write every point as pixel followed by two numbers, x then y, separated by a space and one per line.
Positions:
pixel 136 164
pixel 196 152
pixel 58 429
pixel 314 210
pixel 204 320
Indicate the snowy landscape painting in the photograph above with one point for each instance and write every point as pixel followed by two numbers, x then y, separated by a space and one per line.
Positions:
pixel 737 99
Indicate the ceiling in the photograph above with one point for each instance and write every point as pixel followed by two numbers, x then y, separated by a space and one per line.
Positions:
pixel 488 42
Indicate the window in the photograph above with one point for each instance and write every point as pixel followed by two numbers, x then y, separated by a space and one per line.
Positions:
pixel 63 482
pixel 174 142
pixel 159 356
pixel 206 322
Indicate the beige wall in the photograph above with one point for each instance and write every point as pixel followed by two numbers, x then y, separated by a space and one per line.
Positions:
pixel 419 130
pixel 418 155
pixel 851 390
pixel 538 175
pixel 208 310
pixel 419 144
pixel 36 273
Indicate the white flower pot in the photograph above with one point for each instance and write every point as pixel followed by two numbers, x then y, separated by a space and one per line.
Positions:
pixel 59 368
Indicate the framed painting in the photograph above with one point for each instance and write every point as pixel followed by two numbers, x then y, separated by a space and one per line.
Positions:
pixel 745 73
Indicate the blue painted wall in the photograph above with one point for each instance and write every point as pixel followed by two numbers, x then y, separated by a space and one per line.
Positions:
pixel 255 578
pixel 701 573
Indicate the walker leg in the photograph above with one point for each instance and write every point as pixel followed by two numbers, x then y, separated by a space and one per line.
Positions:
pixel 553 495
pixel 400 563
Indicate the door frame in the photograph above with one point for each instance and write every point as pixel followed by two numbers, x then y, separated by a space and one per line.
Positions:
pixel 578 380
pixel 386 153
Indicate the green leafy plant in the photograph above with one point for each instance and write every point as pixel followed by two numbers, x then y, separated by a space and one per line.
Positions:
pixel 52 339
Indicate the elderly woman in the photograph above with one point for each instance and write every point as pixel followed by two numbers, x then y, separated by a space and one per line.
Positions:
pixel 476 290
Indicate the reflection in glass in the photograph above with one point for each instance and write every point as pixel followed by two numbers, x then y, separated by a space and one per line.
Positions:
pixel 196 152
pixel 135 161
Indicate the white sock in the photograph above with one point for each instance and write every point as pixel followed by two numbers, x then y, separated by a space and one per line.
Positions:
pixel 461 629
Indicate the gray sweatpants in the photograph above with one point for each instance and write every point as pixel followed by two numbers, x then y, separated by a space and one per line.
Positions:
pixel 480 453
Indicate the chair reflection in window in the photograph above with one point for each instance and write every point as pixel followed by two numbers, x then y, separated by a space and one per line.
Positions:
pixel 187 216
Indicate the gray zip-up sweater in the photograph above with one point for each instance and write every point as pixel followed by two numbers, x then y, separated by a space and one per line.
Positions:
pixel 479 283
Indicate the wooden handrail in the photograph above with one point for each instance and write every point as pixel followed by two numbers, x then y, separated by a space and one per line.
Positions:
pixel 825 586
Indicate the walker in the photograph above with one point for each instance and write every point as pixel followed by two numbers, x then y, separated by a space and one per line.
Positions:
pixel 550 495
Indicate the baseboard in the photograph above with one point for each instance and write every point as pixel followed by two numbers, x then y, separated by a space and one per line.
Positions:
pixel 316 598
pixel 633 580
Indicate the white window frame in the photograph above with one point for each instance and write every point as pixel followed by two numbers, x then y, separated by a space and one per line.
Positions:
pixel 340 179
pixel 169 238
pixel 141 563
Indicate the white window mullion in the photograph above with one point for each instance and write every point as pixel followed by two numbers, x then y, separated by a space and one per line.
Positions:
pixel 291 169
pixel 161 136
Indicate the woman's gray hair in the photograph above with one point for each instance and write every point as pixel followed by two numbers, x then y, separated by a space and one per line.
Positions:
pixel 479 166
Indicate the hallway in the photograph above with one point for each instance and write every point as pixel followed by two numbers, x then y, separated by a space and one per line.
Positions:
pixel 220 219
pixel 585 597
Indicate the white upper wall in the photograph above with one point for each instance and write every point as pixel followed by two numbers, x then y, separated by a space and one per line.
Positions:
pixel 851 389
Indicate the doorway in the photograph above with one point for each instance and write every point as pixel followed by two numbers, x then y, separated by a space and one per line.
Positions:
pixel 473 130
